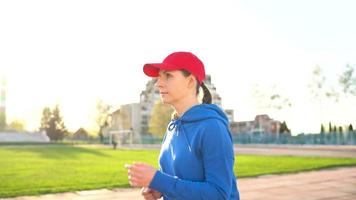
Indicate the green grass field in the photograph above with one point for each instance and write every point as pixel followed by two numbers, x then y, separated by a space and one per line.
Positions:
pixel 40 169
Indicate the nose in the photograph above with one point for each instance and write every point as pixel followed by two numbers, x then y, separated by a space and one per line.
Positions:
pixel 158 83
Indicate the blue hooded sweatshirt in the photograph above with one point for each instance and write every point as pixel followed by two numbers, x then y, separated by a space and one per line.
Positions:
pixel 197 158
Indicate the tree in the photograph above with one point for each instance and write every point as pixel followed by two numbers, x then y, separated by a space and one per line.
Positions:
pixel 322 129
pixel 45 120
pixel 328 136
pixel 334 135
pixel 350 134
pixel 102 117
pixel 52 123
pixel 284 128
pixel 322 134
pixel 2 103
pixel 160 117
pixel 60 129
pixel 270 97
pixel 341 136
pixel 321 90
pixel 284 133
pixel 347 81
pixel 17 125
pixel 317 85
pixel 341 129
pixel 330 127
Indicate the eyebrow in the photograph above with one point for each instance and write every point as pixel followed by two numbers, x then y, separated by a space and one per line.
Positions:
pixel 165 72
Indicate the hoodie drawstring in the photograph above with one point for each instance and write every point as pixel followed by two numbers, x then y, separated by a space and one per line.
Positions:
pixel 178 125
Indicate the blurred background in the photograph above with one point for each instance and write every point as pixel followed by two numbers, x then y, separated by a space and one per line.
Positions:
pixel 75 105
pixel 280 69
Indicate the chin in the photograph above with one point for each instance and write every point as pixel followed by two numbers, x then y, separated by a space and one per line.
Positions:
pixel 166 101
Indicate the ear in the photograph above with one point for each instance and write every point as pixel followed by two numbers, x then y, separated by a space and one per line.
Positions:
pixel 191 81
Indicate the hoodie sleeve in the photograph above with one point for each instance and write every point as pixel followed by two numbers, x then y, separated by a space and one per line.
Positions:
pixel 218 158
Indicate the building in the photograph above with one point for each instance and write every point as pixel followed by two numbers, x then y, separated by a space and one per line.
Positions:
pixel 125 123
pixel 127 117
pixel 230 114
pixel 38 137
pixel 81 134
pixel 262 124
pixel 136 116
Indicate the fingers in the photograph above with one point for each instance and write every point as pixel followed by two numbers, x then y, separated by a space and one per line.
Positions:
pixel 134 168
pixel 149 197
pixel 135 178
pixel 136 172
pixel 136 165
pixel 145 190
pixel 147 193
pixel 140 174
pixel 156 194
pixel 135 182
pixel 135 175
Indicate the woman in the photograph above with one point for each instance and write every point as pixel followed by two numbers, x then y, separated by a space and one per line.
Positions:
pixel 196 159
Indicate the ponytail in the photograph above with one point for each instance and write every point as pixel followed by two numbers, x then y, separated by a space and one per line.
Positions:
pixel 207 99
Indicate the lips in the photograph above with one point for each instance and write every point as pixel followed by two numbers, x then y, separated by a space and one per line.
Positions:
pixel 161 93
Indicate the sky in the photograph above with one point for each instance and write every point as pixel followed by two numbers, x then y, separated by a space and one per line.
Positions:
pixel 73 53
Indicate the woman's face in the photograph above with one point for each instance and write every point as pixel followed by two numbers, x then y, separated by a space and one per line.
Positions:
pixel 173 86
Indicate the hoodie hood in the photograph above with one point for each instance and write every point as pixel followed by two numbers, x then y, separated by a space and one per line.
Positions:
pixel 195 114
pixel 204 111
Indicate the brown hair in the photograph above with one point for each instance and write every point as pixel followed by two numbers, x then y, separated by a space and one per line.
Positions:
pixel 207 99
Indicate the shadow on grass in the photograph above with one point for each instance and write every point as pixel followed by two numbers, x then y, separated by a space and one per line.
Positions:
pixel 55 151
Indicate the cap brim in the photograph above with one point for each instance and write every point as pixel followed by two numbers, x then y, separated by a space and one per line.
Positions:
pixel 152 69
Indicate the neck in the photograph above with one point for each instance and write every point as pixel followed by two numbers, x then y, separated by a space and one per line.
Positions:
pixel 184 105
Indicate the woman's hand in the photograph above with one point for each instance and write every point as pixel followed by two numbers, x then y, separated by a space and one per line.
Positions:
pixel 140 174
pixel 150 194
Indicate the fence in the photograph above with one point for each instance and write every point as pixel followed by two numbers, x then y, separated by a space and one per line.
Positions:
pixel 266 138
pixel 333 138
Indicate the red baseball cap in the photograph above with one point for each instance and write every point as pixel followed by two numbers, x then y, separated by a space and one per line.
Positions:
pixel 178 61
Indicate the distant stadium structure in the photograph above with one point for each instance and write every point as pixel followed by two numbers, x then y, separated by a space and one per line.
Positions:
pixel 23 137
